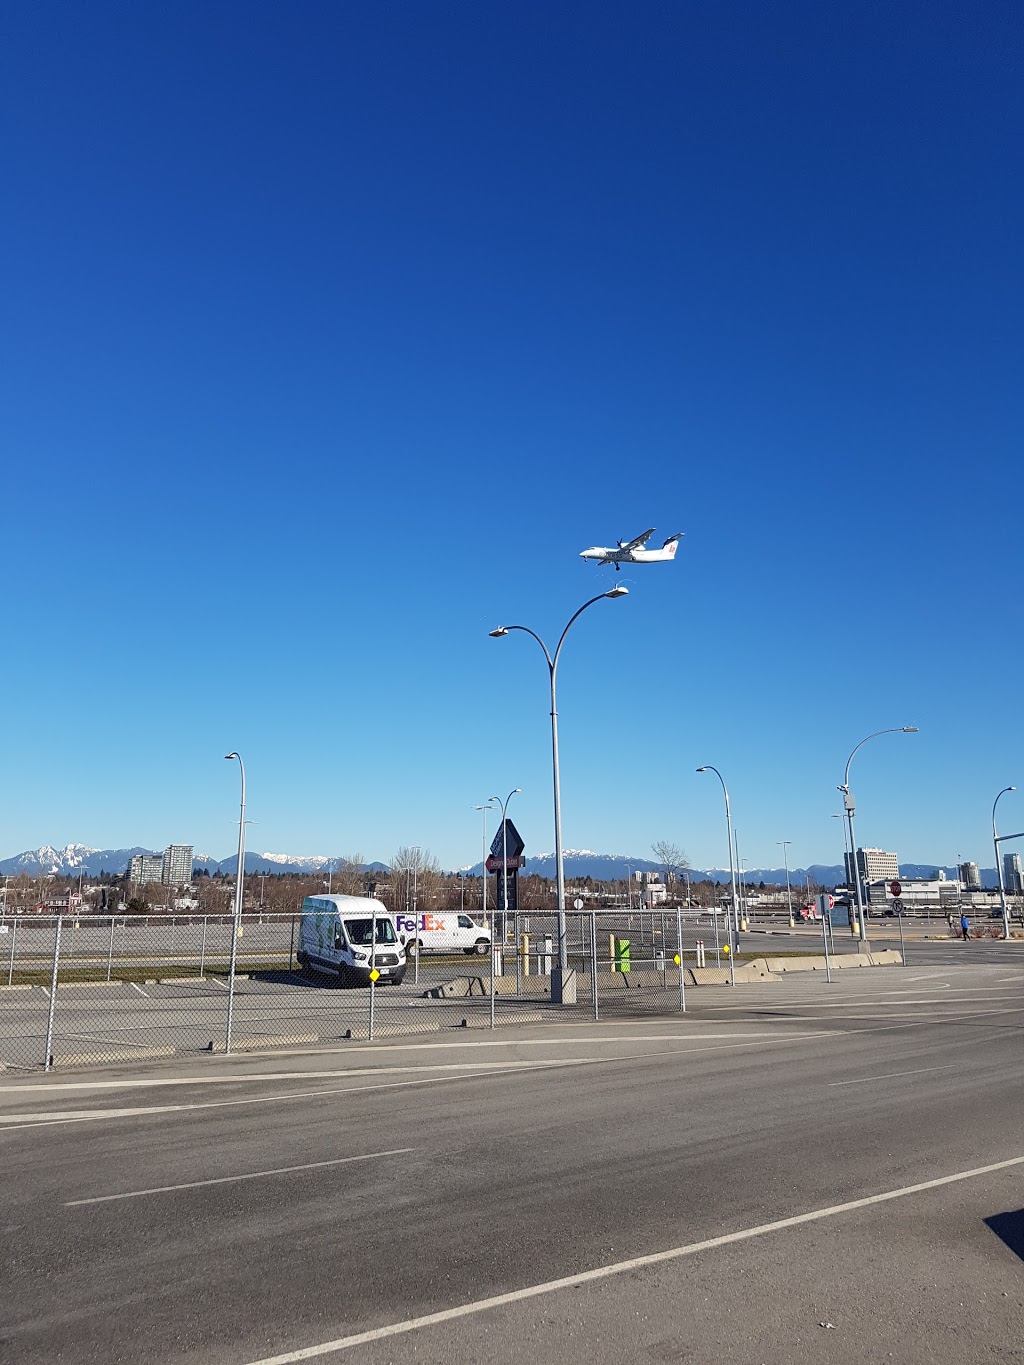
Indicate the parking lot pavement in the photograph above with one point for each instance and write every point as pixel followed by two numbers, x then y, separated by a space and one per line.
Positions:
pixel 786 1174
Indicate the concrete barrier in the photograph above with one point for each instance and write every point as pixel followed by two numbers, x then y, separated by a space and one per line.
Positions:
pixel 808 962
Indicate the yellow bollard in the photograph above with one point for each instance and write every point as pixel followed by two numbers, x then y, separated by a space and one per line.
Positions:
pixel 524 948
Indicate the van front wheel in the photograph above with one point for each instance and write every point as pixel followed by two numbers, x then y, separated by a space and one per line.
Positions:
pixel 412 948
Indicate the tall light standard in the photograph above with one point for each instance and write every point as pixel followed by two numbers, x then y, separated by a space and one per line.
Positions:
pixel 849 805
pixel 563 991
pixel 785 858
pixel 734 918
pixel 504 854
pixel 483 858
pixel 237 922
pixel 997 839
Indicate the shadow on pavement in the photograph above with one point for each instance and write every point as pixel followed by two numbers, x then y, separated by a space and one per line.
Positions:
pixel 1009 1228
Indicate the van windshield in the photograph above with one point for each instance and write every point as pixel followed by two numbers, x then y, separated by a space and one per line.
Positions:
pixel 359 931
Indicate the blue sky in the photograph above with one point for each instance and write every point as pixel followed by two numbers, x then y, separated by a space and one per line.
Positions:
pixel 334 332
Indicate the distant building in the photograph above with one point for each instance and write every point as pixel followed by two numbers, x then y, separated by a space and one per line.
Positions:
pixel 1013 878
pixel 145 868
pixel 176 865
pixel 970 876
pixel 873 864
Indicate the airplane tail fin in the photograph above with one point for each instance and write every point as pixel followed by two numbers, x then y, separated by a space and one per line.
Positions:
pixel 672 544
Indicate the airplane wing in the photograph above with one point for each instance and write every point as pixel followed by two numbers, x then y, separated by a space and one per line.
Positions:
pixel 640 540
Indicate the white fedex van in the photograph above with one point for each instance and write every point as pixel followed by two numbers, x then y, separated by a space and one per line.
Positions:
pixel 441 933
pixel 348 936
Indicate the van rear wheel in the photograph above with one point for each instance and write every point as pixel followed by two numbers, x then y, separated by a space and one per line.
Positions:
pixel 482 945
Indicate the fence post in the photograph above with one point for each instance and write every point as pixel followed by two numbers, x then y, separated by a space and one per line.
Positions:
pixel 236 925
pixel 518 946
pixel 291 947
pixel 14 938
pixel 682 967
pixel 202 952
pixel 48 1059
pixel 493 951
pixel 110 948
pixel 593 960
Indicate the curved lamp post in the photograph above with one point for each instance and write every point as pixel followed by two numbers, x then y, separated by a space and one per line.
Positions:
pixel 236 922
pixel 734 917
pixel 785 843
pixel 849 806
pixel 561 992
pixel 996 841
pixel 504 851
pixel 483 856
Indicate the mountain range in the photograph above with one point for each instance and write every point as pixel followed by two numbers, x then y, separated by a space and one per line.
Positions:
pixel 73 859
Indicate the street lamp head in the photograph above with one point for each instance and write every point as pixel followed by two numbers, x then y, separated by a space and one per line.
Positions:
pixel 231 755
pixel 496 634
pixel 617 591
pixel 910 729
pixel 702 770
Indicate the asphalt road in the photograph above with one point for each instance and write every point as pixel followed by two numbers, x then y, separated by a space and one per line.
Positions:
pixel 789 1172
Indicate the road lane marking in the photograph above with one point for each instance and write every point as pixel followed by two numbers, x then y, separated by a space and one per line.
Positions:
pixel 43 1087
pixel 29 1121
pixel 606 1272
pixel 138 988
pixel 229 1179
pixel 890 1075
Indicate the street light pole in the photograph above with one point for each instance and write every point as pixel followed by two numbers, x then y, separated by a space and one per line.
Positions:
pixel 483 860
pixel 563 992
pixel 504 853
pixel 237 922
pixel 996 841
pixel 849 805
pixel 785 858
pixel 734 918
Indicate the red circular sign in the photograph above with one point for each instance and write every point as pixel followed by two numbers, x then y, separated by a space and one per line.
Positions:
pixel 895 888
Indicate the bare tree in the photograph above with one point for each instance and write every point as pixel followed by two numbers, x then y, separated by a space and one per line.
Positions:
pixel 418 860
pixel 671 857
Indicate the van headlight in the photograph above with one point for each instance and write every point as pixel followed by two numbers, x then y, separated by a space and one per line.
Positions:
pixel 359 957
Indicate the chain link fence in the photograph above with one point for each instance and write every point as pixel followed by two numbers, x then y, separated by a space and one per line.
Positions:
pixel 94 989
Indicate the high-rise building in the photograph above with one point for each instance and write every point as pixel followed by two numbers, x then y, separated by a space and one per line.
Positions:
pixel 176 868
pixel 145 868
pixel 1013 877
pixel 970 876
pixel 873 865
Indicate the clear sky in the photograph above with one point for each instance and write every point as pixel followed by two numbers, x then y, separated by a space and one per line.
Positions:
pixel 333 332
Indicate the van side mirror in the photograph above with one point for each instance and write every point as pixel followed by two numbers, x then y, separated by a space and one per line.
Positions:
pixel 401 939
pixel 339 939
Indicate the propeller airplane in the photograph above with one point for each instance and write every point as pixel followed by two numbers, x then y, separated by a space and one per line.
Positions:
pixel 633 551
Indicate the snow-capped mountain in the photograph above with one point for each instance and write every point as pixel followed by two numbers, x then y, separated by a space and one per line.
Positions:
pixel 68 861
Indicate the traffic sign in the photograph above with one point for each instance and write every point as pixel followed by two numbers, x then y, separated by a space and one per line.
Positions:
pixel 897 906
pixel 895 888
pixel 374 975
pixel 577 904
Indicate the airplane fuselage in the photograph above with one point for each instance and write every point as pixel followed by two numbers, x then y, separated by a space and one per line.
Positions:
pixel 615 555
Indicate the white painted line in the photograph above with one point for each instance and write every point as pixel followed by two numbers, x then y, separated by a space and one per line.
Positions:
pixel 889 1075
pixel 44 1087
pixel 606 1272
pixel 137 987
pixel 229 1179
pixel 30 1121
